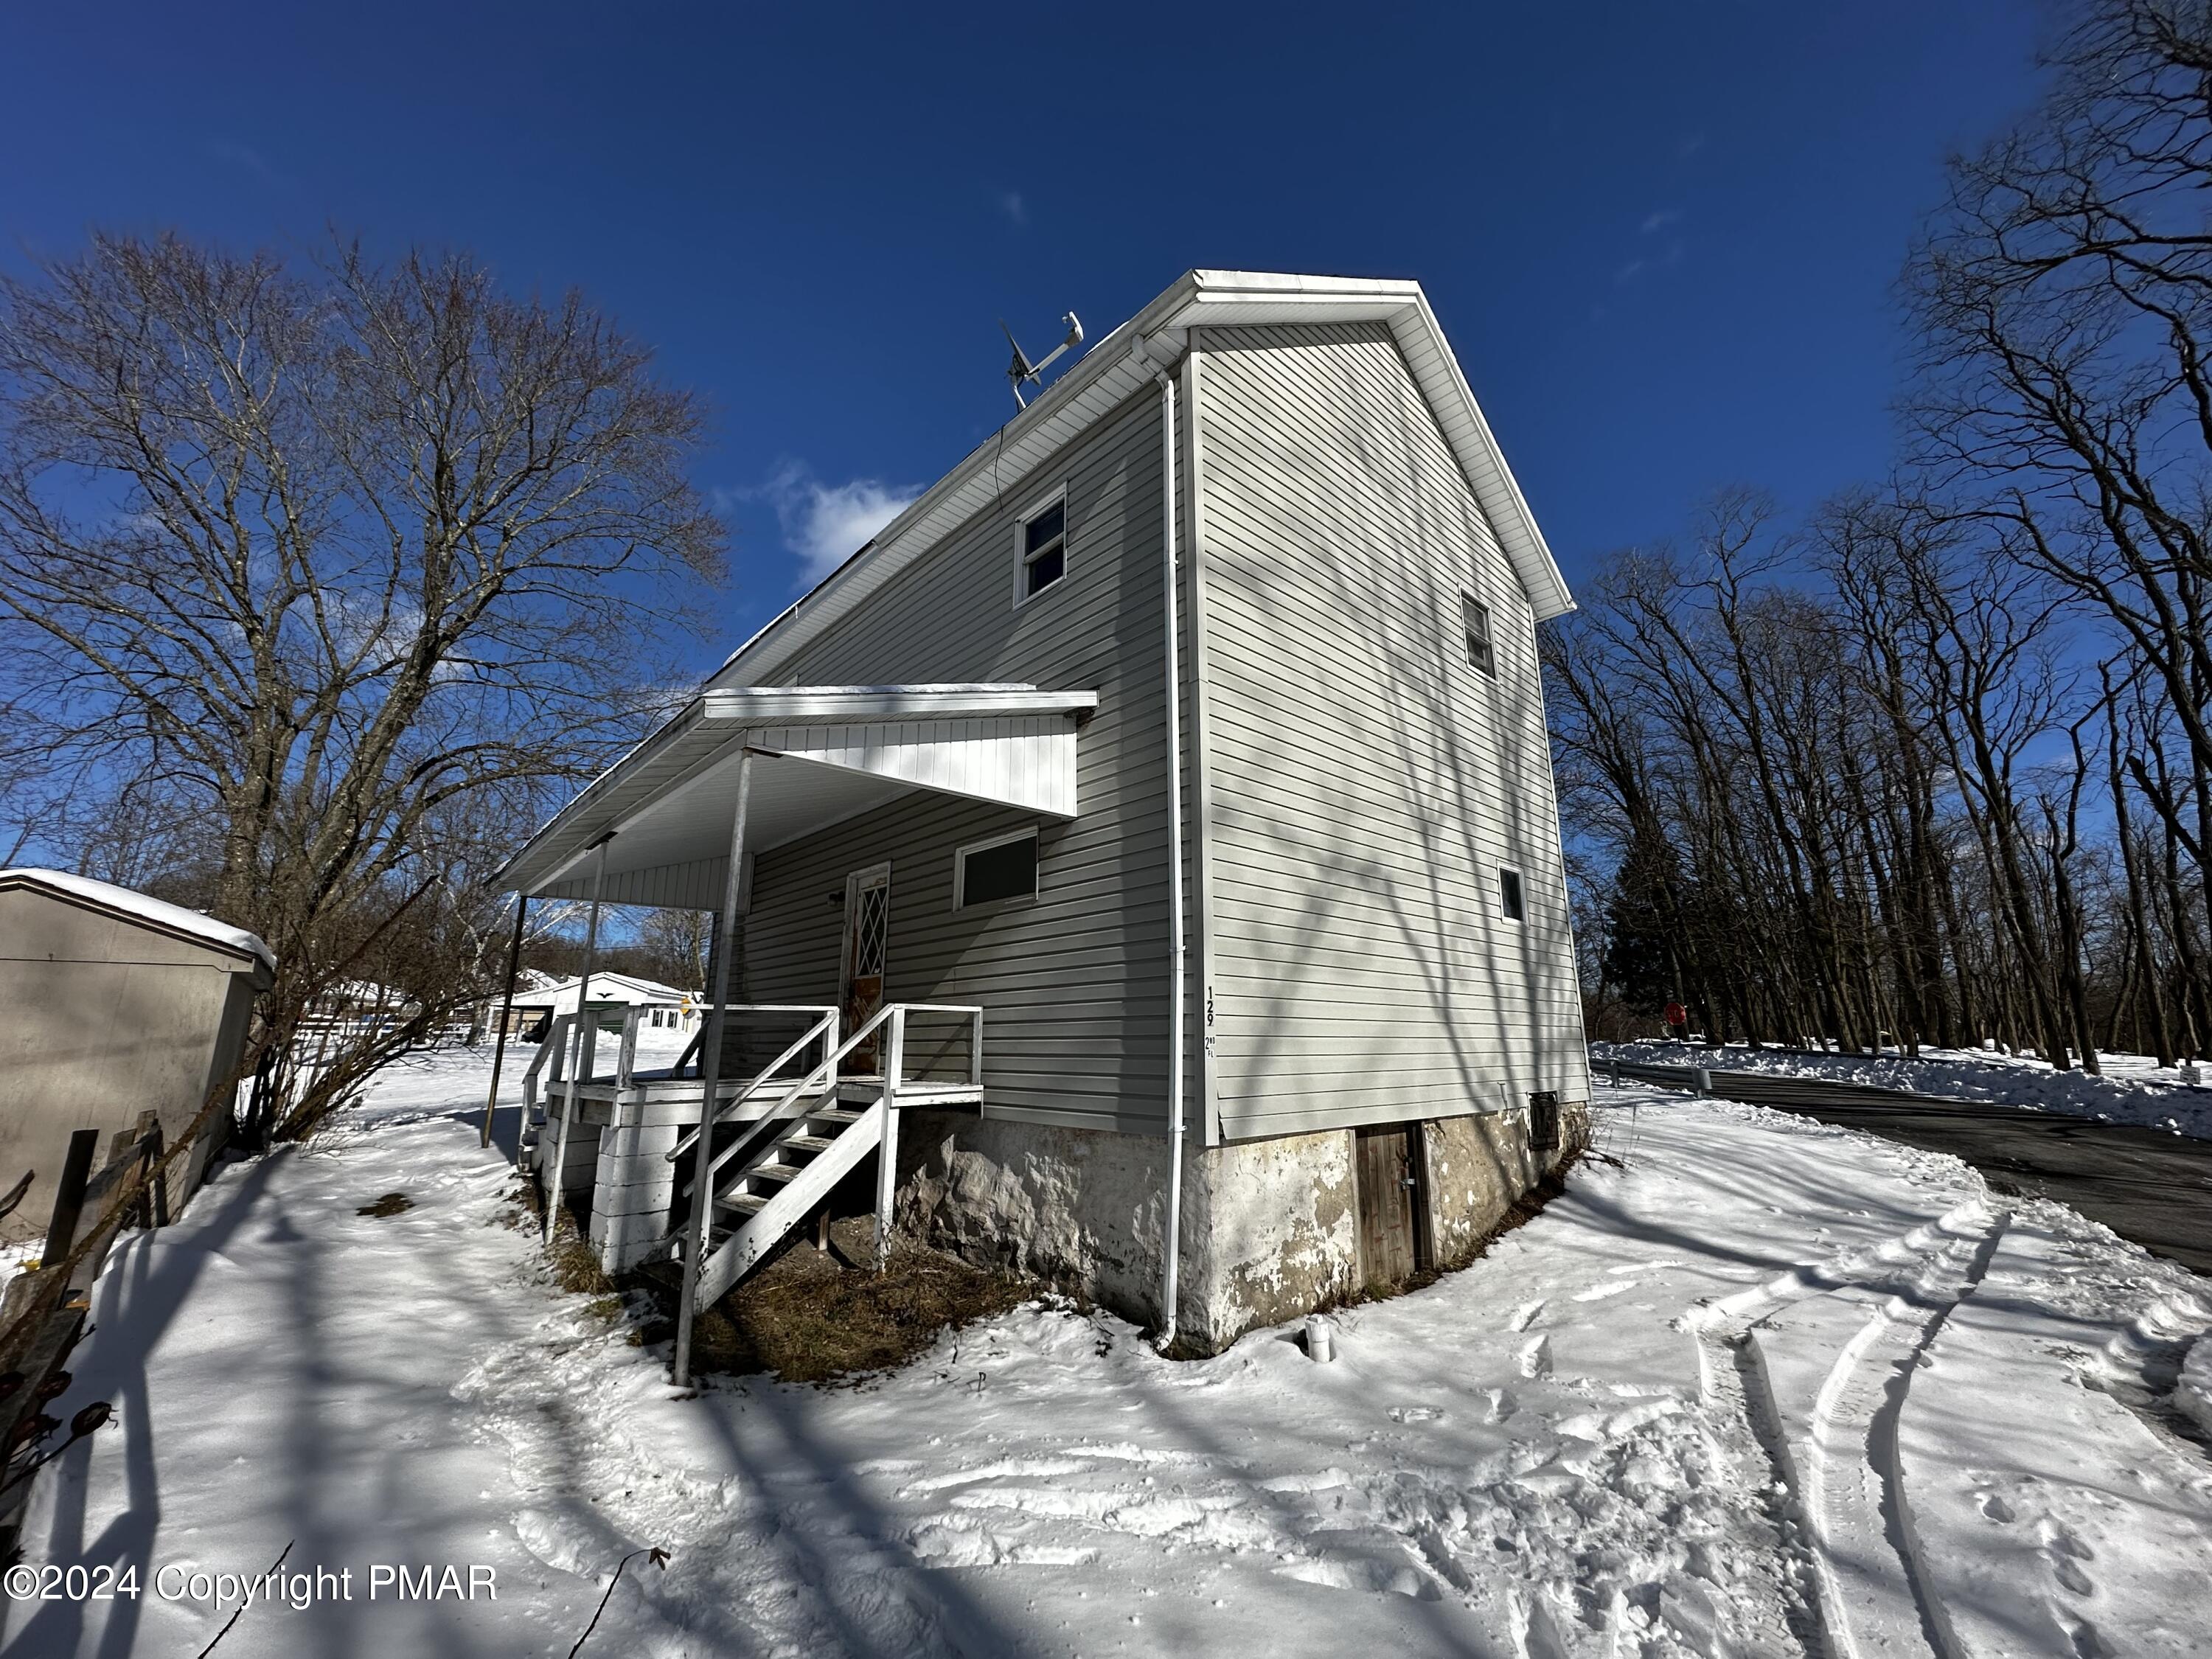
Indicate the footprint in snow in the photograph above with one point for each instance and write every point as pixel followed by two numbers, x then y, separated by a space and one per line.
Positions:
pixel 1536 1357
pixel 2065 1552
pixel 1525 1315
pixel 1415 1414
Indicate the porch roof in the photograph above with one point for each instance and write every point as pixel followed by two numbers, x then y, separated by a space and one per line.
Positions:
pixel 822 753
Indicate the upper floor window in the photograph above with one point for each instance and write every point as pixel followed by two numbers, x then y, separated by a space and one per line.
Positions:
pixel 1043 544
pixel 1508 895
pixel 1475 616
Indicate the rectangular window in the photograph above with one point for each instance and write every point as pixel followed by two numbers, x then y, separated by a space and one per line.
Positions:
pixel 995 872
pixel 1044 548
pixel 1509 894
pixel 1474 615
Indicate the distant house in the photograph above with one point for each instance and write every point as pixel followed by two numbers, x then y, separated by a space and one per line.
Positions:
pixel 1179 756
pixel 538 1003
pixel 117 1004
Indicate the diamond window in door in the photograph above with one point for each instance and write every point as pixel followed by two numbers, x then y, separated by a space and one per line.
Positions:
pixel 867 923
pixel 868 933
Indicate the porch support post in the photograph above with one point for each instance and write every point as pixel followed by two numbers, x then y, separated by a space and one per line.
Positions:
pixel 553 1185
pixel 887 1148
pixel 696 1231
pixel 506 1014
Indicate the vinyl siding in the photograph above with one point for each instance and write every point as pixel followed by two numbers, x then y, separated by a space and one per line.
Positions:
pixel 1075 986
pixel 1365 781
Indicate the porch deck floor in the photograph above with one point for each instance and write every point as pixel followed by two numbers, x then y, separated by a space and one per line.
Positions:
pixel 661 1099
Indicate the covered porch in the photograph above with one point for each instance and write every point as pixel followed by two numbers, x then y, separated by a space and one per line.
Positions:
pixel 793 1095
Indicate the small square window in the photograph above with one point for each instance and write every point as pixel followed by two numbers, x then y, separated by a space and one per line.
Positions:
pixel 995 872
pixel 1475 616
pixel 1044 548
pixel 1508 895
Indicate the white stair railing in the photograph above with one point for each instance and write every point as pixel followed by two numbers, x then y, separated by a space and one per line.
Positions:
pixel 875 1128
pixel 824 1030
pixel 549 1049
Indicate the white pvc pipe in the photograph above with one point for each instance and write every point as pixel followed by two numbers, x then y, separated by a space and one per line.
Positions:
pixel 1173 1223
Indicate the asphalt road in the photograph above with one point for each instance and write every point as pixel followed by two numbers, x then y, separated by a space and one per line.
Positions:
pixel 2146 1185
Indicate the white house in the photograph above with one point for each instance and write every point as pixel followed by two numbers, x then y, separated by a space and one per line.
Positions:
pixel 1156 820
pixel 539 1000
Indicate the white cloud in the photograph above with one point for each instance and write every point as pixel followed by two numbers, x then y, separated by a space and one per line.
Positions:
pixel 826 524
pixel 1014 208
pixel 1659 221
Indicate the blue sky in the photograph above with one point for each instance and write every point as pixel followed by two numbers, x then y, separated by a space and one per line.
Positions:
pixel 1663 237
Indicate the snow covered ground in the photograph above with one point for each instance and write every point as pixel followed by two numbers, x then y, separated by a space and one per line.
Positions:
pixel 2134 1089
pixel 1763 1387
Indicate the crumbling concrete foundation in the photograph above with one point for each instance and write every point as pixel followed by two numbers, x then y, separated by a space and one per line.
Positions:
pixel 1270 1228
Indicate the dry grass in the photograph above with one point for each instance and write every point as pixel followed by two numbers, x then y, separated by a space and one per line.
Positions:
pixel 809 1317
pixel 391 1204
pixel 569 1256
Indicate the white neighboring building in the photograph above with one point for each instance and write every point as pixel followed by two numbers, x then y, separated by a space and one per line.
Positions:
pixel 667 1008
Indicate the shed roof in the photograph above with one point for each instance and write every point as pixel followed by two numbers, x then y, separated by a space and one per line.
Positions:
pixel 146 911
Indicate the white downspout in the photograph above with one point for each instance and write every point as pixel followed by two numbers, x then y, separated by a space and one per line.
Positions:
pixel 1173 1254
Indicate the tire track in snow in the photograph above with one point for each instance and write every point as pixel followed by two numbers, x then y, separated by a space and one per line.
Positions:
pixel 1825 1408
pixel 1877 1435
pixel 1734 1395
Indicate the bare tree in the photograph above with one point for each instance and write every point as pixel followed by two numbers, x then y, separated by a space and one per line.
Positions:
pixel 677 940
pixel 338 567
pixel 2065 299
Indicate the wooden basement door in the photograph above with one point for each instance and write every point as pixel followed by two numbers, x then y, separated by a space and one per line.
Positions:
pixel 1387 1176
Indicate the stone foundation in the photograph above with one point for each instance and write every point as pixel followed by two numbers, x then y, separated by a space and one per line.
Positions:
pixel 1270 1228
pixel 1477 1166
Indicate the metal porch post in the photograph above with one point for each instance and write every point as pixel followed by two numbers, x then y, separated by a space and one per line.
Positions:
pixel 697 1231
pixel 506 1014
pixel 577 1078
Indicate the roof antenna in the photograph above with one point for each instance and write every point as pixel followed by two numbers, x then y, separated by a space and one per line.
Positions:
pixel 1023 369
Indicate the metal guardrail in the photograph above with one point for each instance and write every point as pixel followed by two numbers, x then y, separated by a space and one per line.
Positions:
pixel 1767 1088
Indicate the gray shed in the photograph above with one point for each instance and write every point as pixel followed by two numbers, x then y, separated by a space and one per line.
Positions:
pixel 117 1004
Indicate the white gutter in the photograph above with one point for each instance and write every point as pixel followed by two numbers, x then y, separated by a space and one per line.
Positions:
pixel 1172 1223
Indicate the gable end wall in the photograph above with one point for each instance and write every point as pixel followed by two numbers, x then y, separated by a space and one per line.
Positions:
pixel 1366 783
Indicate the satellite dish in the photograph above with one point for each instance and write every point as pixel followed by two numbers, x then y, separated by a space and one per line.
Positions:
pixel 1021 369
